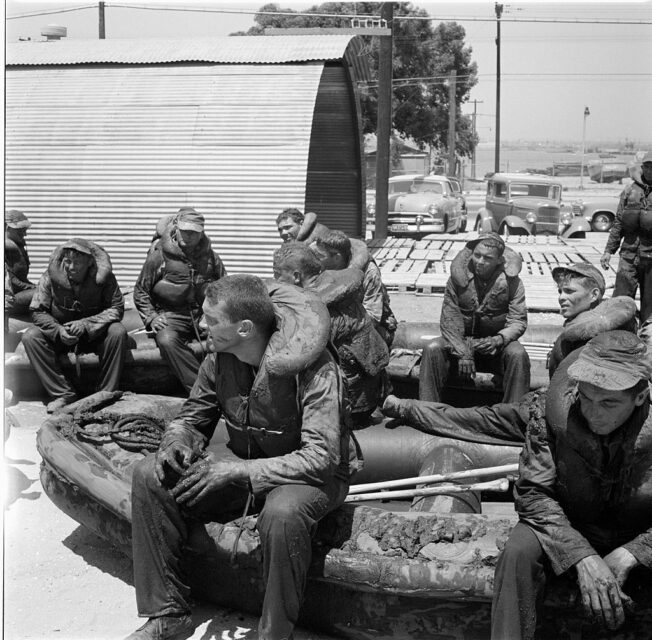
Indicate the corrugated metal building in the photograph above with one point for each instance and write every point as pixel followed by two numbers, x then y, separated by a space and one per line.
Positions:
pixel 104 137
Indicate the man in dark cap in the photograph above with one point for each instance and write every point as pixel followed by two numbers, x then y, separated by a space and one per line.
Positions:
pixel 18 288
pixel 483 316
pixel 584 491
pixel 77 305
pixel 633 226
pixel 170 290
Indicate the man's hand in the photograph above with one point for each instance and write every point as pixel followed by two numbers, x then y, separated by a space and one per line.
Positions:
pixel 177 451
pixel 621 562
pixel 158 323
pixel 602 597
pixel 205 476
pixel 488 346
pixel 604 260
pixel 75 328
pixel 466 368
pixel 67 338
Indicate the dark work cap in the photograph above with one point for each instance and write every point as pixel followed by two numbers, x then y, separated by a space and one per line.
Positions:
pixel 491 237
pixel 647 157
pixel 78 244
pixel 583 269
pixel 17 219
pixel 613 360
pixel 190 220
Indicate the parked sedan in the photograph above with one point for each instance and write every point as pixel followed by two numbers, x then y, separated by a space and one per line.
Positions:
pixel 528 205
pixel 429 206
pixel 599 211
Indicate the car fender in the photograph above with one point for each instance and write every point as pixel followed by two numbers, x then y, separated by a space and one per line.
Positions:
pixel 485 220
pixel 578 225
pixel 516 223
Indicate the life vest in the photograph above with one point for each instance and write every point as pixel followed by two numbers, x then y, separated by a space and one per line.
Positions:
pixel 184 278
pixel 636 202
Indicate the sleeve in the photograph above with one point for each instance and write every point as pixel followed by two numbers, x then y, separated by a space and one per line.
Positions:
pixel 501 424
pixel 616 231
pixel 41 307
pixel 201 411
pixel 536 503
pixel 372 284
pixel 150 274
pixel 220 269
pixel 451 323
pixel 318 456
pixel 114 308
pixel 516 321
pixel 641 548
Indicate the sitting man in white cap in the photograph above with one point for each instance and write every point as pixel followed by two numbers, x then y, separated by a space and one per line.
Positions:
pixel 170 290
pixel 584 491
pixel 18 288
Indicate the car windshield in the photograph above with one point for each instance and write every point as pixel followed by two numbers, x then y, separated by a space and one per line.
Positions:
pixel 400 186
pixel 521 189
pixel 421 186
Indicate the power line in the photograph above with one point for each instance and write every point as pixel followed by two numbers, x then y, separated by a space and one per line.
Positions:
pixel 34 14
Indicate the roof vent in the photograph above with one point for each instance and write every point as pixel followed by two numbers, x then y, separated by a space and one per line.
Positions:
pixel 54 32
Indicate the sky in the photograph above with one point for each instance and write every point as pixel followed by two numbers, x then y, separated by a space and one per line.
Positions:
pixel 550 71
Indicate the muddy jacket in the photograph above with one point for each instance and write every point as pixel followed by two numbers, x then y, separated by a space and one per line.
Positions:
pixel 172 280
pixel 362 352
pixel 633 223
pixel 97 300
pixel 582 493
pixel 291 429
pixel 502 311
pixel 17 266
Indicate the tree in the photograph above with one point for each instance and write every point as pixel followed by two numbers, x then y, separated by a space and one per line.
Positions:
pixel 424 56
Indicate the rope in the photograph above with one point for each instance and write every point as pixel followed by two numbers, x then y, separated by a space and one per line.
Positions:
pixel 136 432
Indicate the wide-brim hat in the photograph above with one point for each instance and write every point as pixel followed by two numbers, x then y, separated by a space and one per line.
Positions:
pixel 614 361
pixel 581 269
pixel 17 219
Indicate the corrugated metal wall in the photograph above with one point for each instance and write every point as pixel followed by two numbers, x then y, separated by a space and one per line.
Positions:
pixel 103 152
pixel 334 187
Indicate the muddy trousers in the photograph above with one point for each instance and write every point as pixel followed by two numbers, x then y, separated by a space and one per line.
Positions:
pixel 518 586
pixel 512 363
pixel 635 272
pixel 286 523
pixel 43 355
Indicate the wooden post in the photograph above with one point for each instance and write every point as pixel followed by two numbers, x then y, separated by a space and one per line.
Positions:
pixel 384 128
pixel 499 12
pixel 102 33
pixel 452 112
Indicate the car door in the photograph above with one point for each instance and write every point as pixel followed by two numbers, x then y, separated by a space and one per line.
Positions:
pixel 497 202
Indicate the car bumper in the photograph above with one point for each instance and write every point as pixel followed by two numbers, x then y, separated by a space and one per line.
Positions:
pixel 405 230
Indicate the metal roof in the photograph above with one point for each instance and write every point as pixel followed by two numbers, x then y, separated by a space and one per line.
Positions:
pixel 226 50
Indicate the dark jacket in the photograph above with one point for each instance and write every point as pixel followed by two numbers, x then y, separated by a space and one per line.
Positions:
pixel 97 300
pixel 362 352
pixel 582 493
pixel 17 266
pixel 502 311
pixel 172 280
pixel 633 222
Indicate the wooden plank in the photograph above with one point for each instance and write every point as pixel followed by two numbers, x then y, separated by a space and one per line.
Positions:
pixel 387 267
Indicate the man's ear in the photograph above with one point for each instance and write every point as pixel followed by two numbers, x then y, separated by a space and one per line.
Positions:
pixel 595 296
pixel 246 328
pixel 642 396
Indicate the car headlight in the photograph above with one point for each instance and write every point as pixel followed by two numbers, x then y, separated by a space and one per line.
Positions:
pixel 565 217
pixel 432 209
pixel 531 217
pixel 418 221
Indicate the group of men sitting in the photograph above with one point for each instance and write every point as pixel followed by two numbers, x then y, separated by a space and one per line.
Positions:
pixel 584 493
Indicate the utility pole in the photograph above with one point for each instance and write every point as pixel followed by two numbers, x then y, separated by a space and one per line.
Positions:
pixel 499 13
pixel 384 128
pixel 475 113
pixel 587 113
pixel 452 111
pixel 102 33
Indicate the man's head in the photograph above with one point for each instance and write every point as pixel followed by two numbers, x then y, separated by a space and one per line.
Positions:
pixel 16 225
pixel 580 286
pixel 613 372
pixel 238 312
pixel 646 167
pixel 190 225
pixel 487 254
pixel 288 223
pixel 294 262
pixel 333 250
pixel 76 260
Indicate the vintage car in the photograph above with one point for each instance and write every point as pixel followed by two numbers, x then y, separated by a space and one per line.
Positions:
pixel 525 204
pixel 428 205
pixel 599 211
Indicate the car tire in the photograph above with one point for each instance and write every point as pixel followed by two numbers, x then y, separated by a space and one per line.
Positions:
pixel 456 229
pixel 462 227
pixel 602 221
